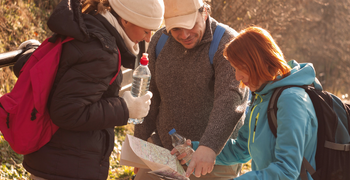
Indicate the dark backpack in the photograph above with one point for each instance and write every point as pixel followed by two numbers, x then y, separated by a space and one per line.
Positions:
pixel 333 136
pixel 24 118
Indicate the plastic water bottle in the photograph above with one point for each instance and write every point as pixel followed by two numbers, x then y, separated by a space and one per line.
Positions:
pixel 140 84
pixel 178 142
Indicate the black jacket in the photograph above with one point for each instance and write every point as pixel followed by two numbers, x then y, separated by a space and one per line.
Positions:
pixel 82 103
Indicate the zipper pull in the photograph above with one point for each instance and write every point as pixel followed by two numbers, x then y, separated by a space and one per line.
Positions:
pixel 256 122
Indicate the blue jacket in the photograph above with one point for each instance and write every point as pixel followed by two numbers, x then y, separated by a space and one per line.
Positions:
pixel 281 157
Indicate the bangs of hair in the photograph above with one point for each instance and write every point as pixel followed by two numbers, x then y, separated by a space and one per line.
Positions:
pixel 255 53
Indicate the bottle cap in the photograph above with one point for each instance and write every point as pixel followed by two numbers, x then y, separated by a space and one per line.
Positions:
pixel 144 59
pixel 172 131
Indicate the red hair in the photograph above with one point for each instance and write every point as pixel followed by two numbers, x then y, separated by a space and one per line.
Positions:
pixel 255 53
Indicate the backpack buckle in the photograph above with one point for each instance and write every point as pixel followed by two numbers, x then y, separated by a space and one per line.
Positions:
pixel 336 146
pixel 346 147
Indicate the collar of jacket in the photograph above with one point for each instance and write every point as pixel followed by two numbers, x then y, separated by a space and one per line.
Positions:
pixel 128 59
pixel 68 20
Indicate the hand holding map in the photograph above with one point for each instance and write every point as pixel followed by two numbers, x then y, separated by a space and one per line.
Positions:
pixel 142 154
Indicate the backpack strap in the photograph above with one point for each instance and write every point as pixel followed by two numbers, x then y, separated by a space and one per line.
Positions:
pixel 272 109
pixel 218 33
pixel 272 106
pixel 160 44
pixel 347 109
pixel 272 120
pixel 306 166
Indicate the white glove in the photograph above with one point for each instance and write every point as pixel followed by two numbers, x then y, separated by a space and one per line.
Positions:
pixel 138 106
pixel 29 42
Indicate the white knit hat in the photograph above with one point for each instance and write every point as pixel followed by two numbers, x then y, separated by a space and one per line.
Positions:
pixel 181 13
pixel 147 14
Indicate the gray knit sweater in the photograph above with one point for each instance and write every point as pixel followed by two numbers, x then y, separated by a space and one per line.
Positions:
pixel 202 101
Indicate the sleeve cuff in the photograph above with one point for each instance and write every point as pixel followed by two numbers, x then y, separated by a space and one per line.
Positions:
pixel 195 145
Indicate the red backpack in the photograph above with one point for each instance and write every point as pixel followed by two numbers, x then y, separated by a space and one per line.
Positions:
pixel 24 118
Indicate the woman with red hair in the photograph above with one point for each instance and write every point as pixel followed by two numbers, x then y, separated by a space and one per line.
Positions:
pixel 259 65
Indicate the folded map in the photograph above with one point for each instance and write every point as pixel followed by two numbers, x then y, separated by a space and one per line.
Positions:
pixel 142 154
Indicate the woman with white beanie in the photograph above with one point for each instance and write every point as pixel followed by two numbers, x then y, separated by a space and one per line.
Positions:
pixel 84 101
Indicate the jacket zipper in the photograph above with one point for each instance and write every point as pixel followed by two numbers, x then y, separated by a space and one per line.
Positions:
pixel 250 122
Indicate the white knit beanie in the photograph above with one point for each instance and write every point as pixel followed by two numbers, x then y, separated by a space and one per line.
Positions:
pixel 147 14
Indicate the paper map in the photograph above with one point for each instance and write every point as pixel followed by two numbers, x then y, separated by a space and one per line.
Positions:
pixel 142 154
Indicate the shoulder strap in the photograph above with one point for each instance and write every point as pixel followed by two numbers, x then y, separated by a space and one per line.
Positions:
pixel 272 109
pixel 347 109
pixel 161 42
pixel 272 106
pixel 272 120
pixel 218 33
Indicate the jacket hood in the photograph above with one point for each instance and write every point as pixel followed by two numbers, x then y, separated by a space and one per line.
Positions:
pixel 301 74
pixel 68 20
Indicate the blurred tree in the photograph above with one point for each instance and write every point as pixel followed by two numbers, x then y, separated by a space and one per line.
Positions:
pixel 306 30
pixel 46 4
pixel 20 20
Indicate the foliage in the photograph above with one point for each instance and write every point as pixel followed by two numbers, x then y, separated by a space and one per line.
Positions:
pixel 11 167
pixel 246 167
pixel 20 21
pixel 116 170
pixel 306 30
pixel 7 80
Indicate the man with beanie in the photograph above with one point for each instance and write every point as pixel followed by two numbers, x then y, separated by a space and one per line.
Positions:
pixel 84 101
pixel 200 99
